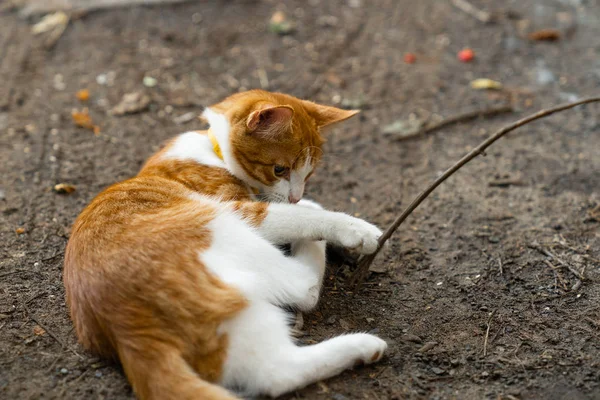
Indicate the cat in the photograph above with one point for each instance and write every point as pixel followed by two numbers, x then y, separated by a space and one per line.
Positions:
pixel 177 272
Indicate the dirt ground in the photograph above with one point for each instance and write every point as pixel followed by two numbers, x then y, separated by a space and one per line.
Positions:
pixel 489 290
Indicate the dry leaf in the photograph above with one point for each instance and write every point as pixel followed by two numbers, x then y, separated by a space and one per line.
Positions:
pixel 50 22
pixel 83 120
pixel 485 83
pixel 83 95
pixel 131 103
pixel 548 35
pixel 64 188
pixel 38 330
pixel 404 128
pixel 427 346
pixel 324 388
pixel 20 231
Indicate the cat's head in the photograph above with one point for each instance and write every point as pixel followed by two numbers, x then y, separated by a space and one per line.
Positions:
pixel 272 141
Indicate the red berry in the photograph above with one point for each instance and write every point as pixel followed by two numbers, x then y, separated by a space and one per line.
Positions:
pixel 466 55
pixel 410 58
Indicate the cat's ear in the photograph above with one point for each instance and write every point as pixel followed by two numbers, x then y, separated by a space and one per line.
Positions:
pixel 326 115
pixel 270 120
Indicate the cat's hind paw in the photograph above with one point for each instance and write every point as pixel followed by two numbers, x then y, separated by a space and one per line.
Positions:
pixel 370 348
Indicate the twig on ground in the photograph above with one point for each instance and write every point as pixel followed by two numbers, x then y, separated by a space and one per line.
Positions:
pixel 454 119
pixel 557 276
pixel 567 266
pixel 595 323
pixel 51 367
pixel 53 256
pixel 470 9
pixel 381 371
pixel 364 262
pixel 13 272
pixel 542 250
pixel 487 332
pixel 48 331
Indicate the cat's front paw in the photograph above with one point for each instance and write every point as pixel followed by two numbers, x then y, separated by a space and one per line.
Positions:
pixel 356 234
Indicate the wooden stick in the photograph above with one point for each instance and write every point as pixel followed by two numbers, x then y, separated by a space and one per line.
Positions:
pixel 48 331
pixel 455 119
pixel 44 327
pixel 474 12
pixel 364 262
pixel 487 333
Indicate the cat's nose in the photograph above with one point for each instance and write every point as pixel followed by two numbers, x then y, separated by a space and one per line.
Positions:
pixel 292 199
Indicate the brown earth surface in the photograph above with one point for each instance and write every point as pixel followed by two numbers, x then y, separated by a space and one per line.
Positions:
pixel 489 290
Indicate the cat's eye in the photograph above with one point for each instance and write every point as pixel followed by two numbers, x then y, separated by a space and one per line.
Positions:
pixel 279 170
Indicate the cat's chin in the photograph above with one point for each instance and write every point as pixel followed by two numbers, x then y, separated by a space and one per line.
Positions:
pixel 273 198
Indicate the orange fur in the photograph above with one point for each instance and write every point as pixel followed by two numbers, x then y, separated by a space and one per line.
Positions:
pixel 135 286
pixel 253 212
pixel 257 153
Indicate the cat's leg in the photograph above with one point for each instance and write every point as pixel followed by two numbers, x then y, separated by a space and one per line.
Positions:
pixel 239 256
pixel 287 223
pixel 311 253
pixel 263 359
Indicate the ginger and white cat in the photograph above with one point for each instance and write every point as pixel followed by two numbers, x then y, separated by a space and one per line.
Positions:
pixel 176 272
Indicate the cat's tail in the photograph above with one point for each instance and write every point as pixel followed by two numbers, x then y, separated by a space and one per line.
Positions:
pixel 160 373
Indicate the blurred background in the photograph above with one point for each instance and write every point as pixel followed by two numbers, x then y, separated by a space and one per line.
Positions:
pixel 489 290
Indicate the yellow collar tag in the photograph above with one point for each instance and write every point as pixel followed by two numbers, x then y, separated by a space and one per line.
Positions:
pixel 215 143
pixel 219 153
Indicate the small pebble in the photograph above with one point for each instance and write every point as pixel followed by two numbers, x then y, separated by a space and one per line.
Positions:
pixel 338 396
pixel 98 374
pixel 102 79
pixel 344 324
pixel 438 371
pixel 149 81
pixel 64 371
